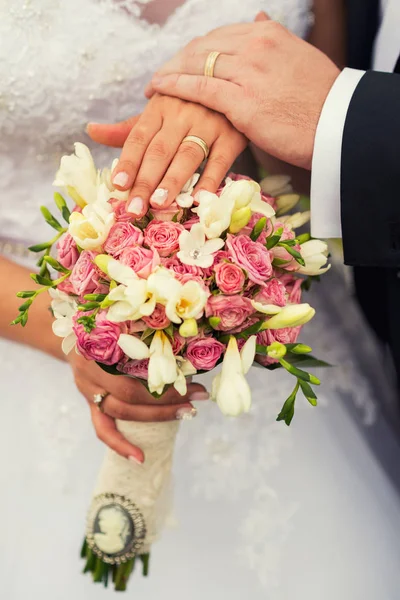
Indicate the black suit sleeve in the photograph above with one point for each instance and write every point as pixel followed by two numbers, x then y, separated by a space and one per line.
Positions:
pixel 370 173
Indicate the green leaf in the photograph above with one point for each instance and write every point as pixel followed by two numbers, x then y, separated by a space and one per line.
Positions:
pixel 88 322
pixel 25 305
pixel 146 333
pixel 303 375
pixel 296 255
pixel 306 360
pixel 258 229
pixel 52 221
pixel 251 330
pixel 40 247
pixel 88 306
pixel 95 297
pixel 169 331
pixel 308 392
pixel 62 206
pixel 274 239
pixel 55 264
pixel 26 294
pixel 261 349
pixel 110 369
pixel 287 412
pixel 40 280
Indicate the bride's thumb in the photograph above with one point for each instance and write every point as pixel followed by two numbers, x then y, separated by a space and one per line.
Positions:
pixel 111 134
pixel 262 16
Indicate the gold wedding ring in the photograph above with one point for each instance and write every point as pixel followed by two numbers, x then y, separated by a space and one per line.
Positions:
pixel 98 400
pixel 210 64
pixel 197 140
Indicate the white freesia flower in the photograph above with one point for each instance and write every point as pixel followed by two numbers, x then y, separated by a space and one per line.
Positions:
pixel 162 364
pixel 184 369
pixel 195 249
pixel 247 193
pixel 291 315
pixel 315 255
pixel 266 309
pixel 162 285
pixel 64 308
pixel 133 347
pixel 214 213
pixel 91 227
pixel 185 198
pixel 130 302
pixel 117 270
pixel 78 174
pixel 230 388
pixel 286 202
pixel 276 185
pixel 187 303
pixel 296 220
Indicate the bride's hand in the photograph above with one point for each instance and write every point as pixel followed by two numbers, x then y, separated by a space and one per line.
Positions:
pixel 128 400
pixel 155 163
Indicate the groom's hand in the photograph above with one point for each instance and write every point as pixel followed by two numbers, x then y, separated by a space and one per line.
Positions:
pixel 269 83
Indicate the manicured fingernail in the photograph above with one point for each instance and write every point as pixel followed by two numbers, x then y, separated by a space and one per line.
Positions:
pixel 199 396
pixel 135 460
pixel 136 205
pixel 186 413
pixel 121 179
pixel 159 196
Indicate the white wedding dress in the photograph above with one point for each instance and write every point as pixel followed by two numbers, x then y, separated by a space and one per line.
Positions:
pixel 262 511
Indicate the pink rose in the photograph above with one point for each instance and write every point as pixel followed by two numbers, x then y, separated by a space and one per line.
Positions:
pixel 204 353
pixel 135 368
pixel 229 278
pixel 249 322
pixel 273 292
pixel 121 236
pixel 262 238
pixel 232 310
pixel 288 335
pixel 142 260
pixel 119 208
pixel 101 344
pixel 178 343
pixel 167 213
pixel 174 264
pixel 293 287
pixel 158 319
pixel 85 276
pixel 163 236
pixel 251 256
pixel 191 221
pixel 66 286
pixel 67 251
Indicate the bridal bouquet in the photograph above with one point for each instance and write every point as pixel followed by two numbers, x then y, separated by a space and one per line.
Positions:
pixel 216 280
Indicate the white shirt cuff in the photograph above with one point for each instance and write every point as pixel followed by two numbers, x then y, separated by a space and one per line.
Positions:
pixel 326 162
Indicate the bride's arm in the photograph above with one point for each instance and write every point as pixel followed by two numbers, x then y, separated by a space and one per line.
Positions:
pixel 37 332
pixel 128 399
pixel 328 35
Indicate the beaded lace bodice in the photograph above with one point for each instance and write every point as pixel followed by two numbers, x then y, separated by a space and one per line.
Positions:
pixel 65 63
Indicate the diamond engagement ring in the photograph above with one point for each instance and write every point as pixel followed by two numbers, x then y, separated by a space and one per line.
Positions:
pixel 99 398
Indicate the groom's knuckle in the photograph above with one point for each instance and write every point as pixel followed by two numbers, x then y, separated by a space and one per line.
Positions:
pixel 262 44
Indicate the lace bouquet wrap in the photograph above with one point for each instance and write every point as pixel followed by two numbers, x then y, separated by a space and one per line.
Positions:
pixel 164 298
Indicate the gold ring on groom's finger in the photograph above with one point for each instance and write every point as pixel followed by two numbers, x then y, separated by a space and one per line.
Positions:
pixel 99 398
pixel 210 64
pixel 199 141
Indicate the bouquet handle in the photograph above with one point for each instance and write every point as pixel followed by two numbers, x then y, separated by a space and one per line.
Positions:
pixel 130 503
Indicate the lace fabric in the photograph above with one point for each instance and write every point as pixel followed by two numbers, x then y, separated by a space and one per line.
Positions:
pixel 65 63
